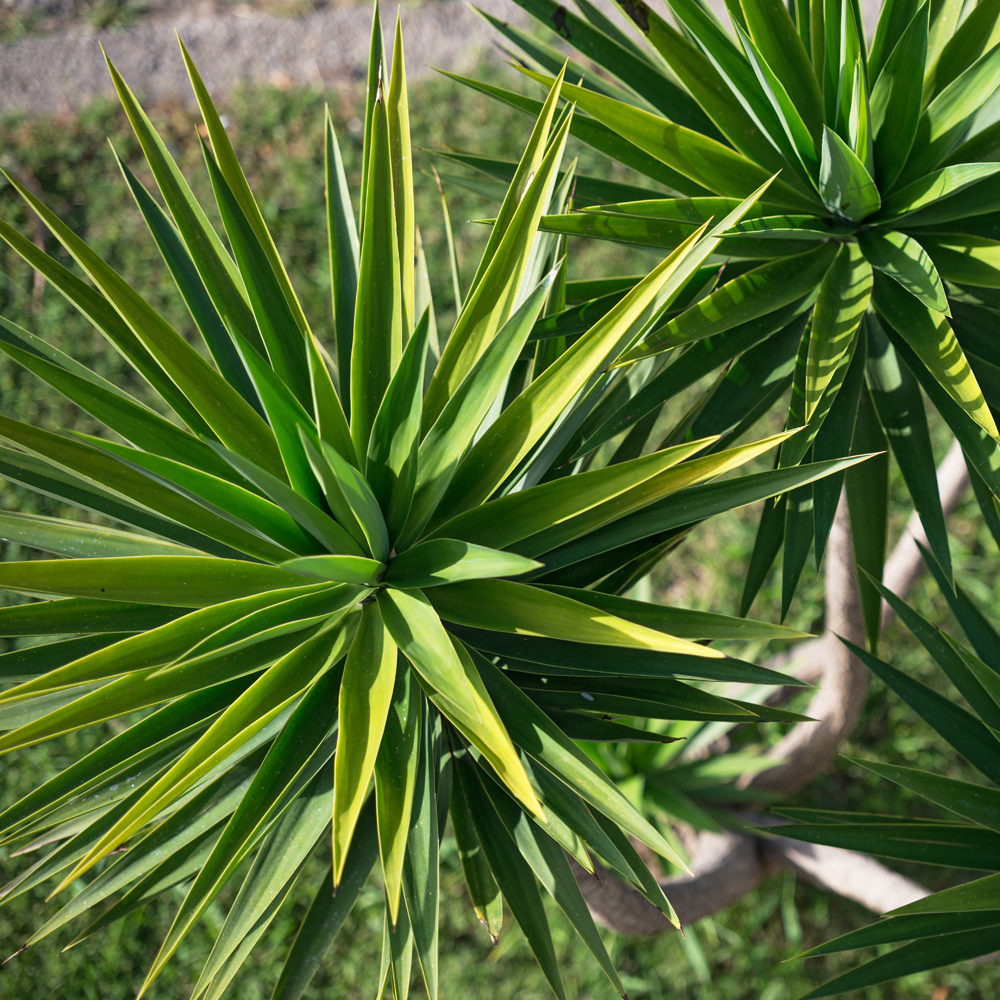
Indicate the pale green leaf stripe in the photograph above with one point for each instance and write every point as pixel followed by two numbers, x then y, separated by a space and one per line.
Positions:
pixel 845 185
pixel 396 778
pixel 177 257
pixel 680 622
pixel 491 302
pixel 504 606
pixel 317 522
pixel 935 188
pixel 520 892
pixel 527 168
pixel 697 157
pixel 295 611
pixel 228 414
pixel 286 415
pixel 233 173
pixel 896 101
pixel 157 645
pixel 671 480
pixel 260 703
pixel 454 685
pixel 843 299
pixel 550 866
pixel 139 488
pixel 327 405
pixel 518 515
pixel 398 120
pixel 391 463
pixel 365 697
pixel 275 869
pixel 523 423
pixel 169 726
pixel 333 490
pixel 176 581
pixel 421 862
pixel 198 817
pixel 447 560
pixel 81 540
pixel 363 506
pixel 483 890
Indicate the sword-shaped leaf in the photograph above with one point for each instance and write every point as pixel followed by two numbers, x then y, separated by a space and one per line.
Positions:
pixel 454 685
pixel 378 320
pixel 220 406
pixel 344 253
pixel 843 299
pixel 391 466
pixel 447 560
pixel 365 698
pixel 328 912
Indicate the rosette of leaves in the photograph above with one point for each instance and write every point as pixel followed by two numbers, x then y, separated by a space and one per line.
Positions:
pixel 885 215
pixel 333 572
pixel 963 922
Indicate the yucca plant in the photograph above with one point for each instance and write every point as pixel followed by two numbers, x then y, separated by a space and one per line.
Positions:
pixel 886 208
pixel 314 592
pixel 963 922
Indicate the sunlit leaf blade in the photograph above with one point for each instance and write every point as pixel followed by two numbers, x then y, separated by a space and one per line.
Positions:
pixel 846 186
pixel 365 698
pixel 219 405
pixel 344 253
pixel 235 178
pixel 453 684
pixel 493 295
pixel 396 779
pixel 906 262
pixel 843 299
pixel 391 466
pixel 746 298
pixel 897 398
pixel 284 852
pixel 931 337
pixel 445 442
pixel 447 560
pixel 284 341
pixel 378 322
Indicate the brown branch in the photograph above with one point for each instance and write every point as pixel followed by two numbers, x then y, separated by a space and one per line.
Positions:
pixel 725 866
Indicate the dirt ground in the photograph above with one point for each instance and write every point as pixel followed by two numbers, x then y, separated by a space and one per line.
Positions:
pixel 63 67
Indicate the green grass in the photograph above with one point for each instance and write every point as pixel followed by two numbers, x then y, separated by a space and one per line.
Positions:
pixel 743 953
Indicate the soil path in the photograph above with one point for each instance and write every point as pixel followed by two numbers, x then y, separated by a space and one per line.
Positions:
pixel 65 68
